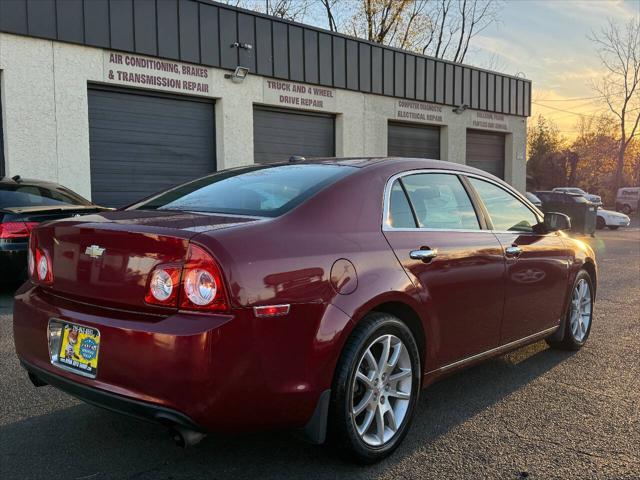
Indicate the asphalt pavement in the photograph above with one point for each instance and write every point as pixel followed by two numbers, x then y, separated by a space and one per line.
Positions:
pixel 535 413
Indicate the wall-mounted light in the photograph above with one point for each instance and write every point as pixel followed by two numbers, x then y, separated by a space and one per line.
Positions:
pixel 460 109
pixel 238 75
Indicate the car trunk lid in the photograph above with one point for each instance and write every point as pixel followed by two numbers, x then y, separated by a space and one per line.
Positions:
pixel 107 258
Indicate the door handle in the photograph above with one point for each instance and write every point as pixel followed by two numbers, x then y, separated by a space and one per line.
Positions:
pixel 425 255
pixel 513 251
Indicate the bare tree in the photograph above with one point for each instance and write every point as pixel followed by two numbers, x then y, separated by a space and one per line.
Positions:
pixel 440 28
pixel 295 10
pixel 618 47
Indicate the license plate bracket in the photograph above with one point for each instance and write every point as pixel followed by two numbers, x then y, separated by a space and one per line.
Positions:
pixel 74 347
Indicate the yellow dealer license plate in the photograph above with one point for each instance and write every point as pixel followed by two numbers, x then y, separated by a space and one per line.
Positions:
pixel 79 349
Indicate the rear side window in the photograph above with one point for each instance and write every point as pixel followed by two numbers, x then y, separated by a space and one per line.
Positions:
pixel 439 201
pixel 263 191
pixel 399 215
pixel 506 211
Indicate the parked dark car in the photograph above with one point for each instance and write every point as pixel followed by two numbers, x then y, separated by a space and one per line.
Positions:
pixel 320 295
pixel 24 204
pixel 581 211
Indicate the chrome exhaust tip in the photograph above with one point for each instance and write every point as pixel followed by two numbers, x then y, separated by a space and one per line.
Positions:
pixel 186 438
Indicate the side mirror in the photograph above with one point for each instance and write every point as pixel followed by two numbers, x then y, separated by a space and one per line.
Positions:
pixel 554 221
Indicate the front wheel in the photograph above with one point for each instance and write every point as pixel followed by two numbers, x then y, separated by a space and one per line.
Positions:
pixel 614 227
pixel 375 389
pixel 577 325
pixel 600 224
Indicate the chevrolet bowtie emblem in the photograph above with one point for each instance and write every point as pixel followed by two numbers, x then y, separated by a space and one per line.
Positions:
pixel 94 251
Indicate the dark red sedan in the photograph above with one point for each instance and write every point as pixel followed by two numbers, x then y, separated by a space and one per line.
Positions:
pixel 320 295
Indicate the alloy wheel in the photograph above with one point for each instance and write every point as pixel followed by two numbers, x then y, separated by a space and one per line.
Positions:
pixel 381 390
pixel 580 310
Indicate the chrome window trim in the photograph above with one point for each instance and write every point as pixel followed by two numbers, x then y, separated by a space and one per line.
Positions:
pixel 387 199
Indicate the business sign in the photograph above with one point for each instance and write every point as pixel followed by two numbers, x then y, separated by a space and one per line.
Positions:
pixel 148 72
pixel 491 121
pixel 299 95
pixel 413 111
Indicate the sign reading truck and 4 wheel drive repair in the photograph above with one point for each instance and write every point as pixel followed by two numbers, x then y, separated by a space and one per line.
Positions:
pixel 139 71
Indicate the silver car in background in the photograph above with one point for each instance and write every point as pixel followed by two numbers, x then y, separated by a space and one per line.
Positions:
pixel 589 196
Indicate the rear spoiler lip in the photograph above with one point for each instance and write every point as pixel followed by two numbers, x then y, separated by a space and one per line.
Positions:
pixel 52 209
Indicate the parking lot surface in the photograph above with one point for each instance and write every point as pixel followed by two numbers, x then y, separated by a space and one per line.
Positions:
pixel 535 413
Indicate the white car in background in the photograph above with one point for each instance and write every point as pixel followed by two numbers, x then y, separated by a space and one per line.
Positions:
pixel 611 219
pixel 592 198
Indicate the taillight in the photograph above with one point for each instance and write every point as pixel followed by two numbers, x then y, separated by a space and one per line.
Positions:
pixel 12 230
pixel 197 285
pixel 202 285
pixel 164 285
pixel 43 270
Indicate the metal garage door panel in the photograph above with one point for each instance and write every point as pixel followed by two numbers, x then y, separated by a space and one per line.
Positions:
pixel 415 141
pixel 1 142
pixel 141 144
pixel 485 150
pixel 279 134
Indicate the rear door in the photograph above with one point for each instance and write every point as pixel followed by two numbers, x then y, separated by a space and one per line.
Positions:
pixel 537 263
pixel 457 266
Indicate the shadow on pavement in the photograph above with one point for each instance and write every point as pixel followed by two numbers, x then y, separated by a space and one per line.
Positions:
pixel 86 442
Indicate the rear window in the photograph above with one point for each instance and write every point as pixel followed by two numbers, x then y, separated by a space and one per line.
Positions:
pixel 12 196
pixel 263 191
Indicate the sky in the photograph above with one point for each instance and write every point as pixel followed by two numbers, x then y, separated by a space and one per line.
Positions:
pixel 547 41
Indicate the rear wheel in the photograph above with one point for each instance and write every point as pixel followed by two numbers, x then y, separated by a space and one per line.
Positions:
pixel 614 227
pixel 577 325
pixel 375 389
pixel 600 224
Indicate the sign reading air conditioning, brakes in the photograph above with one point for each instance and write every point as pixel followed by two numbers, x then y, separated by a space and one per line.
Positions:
pixel 155 73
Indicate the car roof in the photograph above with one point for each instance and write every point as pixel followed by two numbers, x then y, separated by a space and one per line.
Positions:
pixel 400 164
pixel 28 182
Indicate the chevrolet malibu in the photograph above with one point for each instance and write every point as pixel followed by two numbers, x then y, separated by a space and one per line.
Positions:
pixel 314 295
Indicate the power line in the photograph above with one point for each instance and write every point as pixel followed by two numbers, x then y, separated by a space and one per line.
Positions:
pixel 565 111
pixel 575 99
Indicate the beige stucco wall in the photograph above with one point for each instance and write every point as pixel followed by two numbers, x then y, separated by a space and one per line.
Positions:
pixel 46 126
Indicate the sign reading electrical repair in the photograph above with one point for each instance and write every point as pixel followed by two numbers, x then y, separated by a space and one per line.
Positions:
pixel 139 71
pixel 298 95
pixel 418 111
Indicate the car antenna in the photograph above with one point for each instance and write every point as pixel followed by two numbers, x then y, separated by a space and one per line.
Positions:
pixel 16 178
pixel 296 158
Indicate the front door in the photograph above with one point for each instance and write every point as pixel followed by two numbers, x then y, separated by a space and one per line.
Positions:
pixel 456 266
pixel 537 264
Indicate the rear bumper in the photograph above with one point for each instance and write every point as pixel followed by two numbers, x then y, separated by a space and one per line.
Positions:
pixel 224 373
pixel 113 402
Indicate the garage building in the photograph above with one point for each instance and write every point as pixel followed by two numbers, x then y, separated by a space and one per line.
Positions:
pixel 118 99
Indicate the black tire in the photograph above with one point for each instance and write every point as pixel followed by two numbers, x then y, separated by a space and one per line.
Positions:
pixel 614 227
pixel 568 341
pixel 342 431
pixel 626 209
pixel 600 223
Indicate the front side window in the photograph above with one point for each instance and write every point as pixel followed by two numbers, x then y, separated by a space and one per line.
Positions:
pixel 506 211
pixel 439 201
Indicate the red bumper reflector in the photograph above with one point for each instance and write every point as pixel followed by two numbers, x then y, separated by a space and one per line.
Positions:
pixel 271 310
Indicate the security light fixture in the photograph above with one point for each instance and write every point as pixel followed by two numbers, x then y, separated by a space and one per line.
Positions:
pixel 460 109
pixel 238 75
